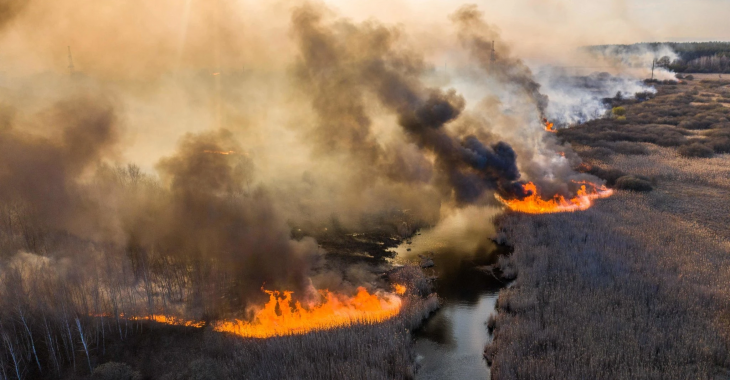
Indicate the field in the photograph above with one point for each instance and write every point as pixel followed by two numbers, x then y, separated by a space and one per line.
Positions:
pixel 638 286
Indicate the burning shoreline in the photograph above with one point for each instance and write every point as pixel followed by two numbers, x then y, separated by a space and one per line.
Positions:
pixel 336 311
pixel 281 316
pixel 534 204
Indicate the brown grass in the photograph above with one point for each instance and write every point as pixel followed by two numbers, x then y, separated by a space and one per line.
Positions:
pixel 637 287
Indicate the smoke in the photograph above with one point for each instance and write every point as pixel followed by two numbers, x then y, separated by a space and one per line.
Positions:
pixel 204 210
pixel 41 173
pixel 365 59
pixel 9 9
pixel 483 40
pixel 580 98
pixel 213 213
pixel 636 60
pixel 248 119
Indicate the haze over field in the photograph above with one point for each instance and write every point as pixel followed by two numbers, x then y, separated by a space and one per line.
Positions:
pixel 306 112
pixel 171 160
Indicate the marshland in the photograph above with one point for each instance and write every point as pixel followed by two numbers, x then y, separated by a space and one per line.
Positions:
pixel 364 190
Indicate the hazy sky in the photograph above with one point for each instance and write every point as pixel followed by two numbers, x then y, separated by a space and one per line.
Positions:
pixel 141 36
pixel 531 24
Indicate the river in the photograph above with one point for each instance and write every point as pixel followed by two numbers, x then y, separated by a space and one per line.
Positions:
pixel 450 343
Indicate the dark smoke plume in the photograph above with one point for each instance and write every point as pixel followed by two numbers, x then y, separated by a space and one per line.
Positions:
pixel 9 9
pixel 56 191
pixel 479 37
pixel 40 173
pixel 212 214
pixel 366 59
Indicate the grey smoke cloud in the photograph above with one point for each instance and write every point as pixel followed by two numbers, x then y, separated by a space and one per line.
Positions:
pixel 345 121
pixel 378 66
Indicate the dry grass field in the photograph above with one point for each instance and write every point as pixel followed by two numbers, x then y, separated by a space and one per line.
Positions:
pixel 637 287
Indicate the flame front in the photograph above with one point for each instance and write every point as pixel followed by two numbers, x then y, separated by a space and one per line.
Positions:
pixel 548 125
pixel 175 321
pixel 399 289
pixel 279 317
pixel 533 204
pixel 335 311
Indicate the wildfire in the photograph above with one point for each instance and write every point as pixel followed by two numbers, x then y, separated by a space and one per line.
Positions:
pixel 533 204
pixel 175 321
pixel 548 125
pixel 280 317
pixel 160 318
pixel 399 289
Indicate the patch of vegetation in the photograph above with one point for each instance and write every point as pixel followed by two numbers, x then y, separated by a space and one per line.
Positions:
pixel 669 119
pixel 619 111
pixel 695 150
pixel 633 183
pixel 600 293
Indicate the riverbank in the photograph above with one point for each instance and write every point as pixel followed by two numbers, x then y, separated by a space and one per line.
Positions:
pixel 635 287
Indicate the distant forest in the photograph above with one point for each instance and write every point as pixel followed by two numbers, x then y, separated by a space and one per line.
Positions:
pixel 693 57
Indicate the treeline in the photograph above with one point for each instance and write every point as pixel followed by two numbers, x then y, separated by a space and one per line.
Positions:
pixel 710 64
pixel 692 57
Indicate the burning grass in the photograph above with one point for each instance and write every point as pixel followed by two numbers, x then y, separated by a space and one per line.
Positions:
pixel 635 287
pixel 50 329
pixel 549 127
pixel 535 204
pixel 281 317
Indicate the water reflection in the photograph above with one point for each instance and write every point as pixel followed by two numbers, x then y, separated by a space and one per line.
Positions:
pixel 451 342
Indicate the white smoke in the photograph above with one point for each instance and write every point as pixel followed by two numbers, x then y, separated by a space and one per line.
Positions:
pixel 636 60
pixel 577 99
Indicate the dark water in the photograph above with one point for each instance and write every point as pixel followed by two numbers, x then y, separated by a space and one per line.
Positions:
pixel 451 342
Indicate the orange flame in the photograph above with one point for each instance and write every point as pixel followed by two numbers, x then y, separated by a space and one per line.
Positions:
pixel 279 317
pixel 336 311
pixel 548 125
pixel 160 318
pixel 175 321
pixel 399 289
pixel 533 204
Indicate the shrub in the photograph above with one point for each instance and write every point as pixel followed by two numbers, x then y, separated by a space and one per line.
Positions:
pixel 695 124
pixel 626 147
pixel 719 144
pixel 689 77
pixel 619 111
pixel 695 150
pixel 507 267
pixel 645 95
pixel 599 153
pixel 633 183
pixel 115 371
pixel 609 175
